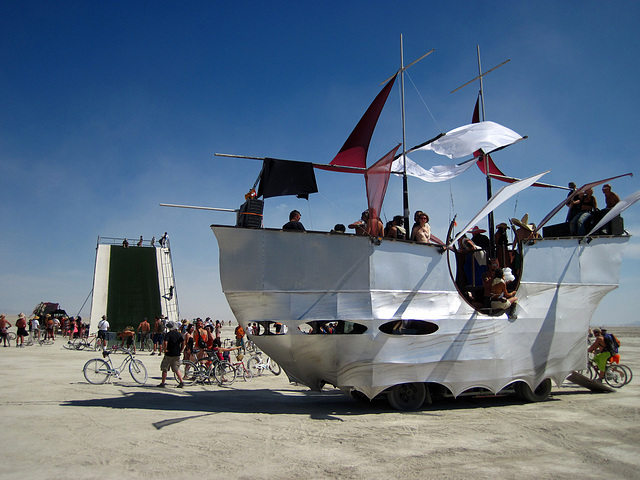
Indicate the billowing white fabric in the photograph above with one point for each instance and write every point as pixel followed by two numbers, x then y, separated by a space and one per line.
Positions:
pixel 504 194
pixel 467 139
pixel 437 173
pixel 615 211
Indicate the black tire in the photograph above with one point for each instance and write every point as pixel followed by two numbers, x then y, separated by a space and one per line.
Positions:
pixel 628 372
pixel 225 374
pixel 540 394
pixel 407 396
pixel 615 376
pixel 359 396
pixel 189 372
pixel 11 336
pixel 274 367
pixel 96 371
pixel 138 371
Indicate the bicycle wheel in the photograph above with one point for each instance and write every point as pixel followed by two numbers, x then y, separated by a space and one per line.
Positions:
pixel 247 376
pixel 592 372
pixel 224 374
pixel 96 371
pixel 628 371
pixel 274 367
pixel 138 371
pixel 252 366
pixel 11 336
pixel 148 344
pixel 615 376
pixel 189 372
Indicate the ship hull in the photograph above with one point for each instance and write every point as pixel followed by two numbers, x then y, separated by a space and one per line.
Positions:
pixel 295 279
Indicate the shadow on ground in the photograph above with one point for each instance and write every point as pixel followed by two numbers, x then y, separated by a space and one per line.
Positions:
pixel 326 405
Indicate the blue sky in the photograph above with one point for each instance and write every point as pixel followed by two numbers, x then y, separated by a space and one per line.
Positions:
pixel 110 108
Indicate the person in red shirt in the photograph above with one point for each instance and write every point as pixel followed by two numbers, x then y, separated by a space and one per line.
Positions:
pixel 4 325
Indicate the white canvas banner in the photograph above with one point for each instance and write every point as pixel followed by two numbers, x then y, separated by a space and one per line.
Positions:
pixel 437 173
pixel 467 139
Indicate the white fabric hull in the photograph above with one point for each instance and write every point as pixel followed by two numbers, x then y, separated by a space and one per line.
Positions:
pixel 293 278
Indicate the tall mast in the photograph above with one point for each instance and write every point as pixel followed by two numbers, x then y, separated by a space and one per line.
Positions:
pixel 405 183
pixel 485 158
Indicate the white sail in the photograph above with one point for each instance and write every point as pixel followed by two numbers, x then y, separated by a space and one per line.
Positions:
pixel 437 173
pixel 616 210
pixel 467 139
pixel 504 194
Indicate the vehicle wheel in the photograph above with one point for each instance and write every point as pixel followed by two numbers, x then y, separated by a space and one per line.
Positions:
pixel 274 367
pixel 540 394
pixel 615 376
pixel 148 344
pixel 11 336
pixel 628 371
pixel 224 374
pixel 138 371
pixel 96 371
pixel 189 372
pixel 407 396
pixel 252 366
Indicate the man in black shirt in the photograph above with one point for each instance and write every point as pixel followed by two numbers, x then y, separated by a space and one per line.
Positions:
pixel 173 345
pixel 294 222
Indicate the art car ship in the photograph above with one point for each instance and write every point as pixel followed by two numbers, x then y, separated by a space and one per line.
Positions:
pixel 405 320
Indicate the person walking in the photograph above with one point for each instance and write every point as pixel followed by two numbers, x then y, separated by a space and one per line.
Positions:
pixel 103 328
pixel 173 345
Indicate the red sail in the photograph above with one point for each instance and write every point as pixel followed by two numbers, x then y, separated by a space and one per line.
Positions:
pixel 376 179
pixel 354 151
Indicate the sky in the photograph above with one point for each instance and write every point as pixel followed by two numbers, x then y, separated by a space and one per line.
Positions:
pixel 108 109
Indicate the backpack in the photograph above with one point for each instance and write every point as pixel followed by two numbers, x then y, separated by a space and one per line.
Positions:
pixel 612 345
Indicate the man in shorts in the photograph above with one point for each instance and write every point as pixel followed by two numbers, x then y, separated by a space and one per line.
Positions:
pixel 158 335
pixel 173 345
pixel 601 354
pixel 103 328
pixel 143 331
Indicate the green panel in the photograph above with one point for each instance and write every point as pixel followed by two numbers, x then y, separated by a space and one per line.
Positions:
pixel 134 292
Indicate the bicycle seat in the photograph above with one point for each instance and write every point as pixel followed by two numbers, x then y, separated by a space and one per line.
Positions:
pixel 105 353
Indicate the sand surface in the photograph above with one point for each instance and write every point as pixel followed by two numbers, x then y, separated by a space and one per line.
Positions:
pixel 57 426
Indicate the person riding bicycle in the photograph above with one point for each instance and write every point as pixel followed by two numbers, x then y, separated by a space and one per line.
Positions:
pixel 599 347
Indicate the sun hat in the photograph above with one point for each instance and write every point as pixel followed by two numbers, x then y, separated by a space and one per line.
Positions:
pixel 476 229
pixel 524 223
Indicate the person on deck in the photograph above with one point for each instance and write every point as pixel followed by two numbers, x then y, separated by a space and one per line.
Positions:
pixel 610 198
pixel 294 222
pixel 395 228
pixel 421 232
pixel 501 298
pixel 587 204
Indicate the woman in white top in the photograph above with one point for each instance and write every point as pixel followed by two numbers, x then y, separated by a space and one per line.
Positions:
pixel 422 231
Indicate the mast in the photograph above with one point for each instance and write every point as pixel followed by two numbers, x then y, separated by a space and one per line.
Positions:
pixel 485 156
pixel 485 160
pixel 405 182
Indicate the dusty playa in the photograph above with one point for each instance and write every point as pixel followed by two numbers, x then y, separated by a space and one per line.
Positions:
pixel 57 426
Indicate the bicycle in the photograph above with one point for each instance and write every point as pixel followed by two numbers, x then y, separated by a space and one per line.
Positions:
pixel 614 375
pixel 83 343
pixel 98 371
pixel 256 365
pixel 206 369
pixel 241 369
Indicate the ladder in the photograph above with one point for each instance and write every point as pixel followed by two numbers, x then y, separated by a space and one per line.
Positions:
pixel 168 292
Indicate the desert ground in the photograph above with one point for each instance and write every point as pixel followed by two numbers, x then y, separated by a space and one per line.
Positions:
pixel 55 425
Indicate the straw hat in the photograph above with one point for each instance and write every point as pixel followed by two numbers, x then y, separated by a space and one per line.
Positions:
pixel 21 315
pixel 502 225
pixel 524 223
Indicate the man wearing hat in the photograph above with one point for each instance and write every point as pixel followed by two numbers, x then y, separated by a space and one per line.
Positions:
pixel 601 355
pixel 480 239
pixel 173 345
pixel 21 324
